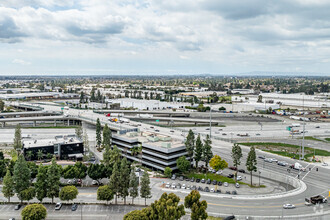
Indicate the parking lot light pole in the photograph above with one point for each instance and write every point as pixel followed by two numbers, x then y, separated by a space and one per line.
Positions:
pixel 259 178
pixel 81 209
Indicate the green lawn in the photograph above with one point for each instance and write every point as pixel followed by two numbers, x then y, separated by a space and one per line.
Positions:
pixel 327 139
pixel 311 138
pixel 287 150
pixel 212 177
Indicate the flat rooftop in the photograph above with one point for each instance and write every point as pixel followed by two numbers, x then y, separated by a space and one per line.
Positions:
pixel 68 139
pixel 154 139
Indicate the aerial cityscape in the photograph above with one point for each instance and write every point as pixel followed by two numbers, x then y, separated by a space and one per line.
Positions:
pixel 151 110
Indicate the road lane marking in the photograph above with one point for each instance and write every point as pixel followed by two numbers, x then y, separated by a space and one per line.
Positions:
pixel 251 207
pixel 308 171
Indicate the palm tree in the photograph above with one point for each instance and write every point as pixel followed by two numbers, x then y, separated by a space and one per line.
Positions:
pixel 40 155
pixel 137 150
pixel 29 155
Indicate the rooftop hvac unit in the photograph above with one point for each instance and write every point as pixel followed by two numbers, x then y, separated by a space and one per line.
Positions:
pixel 166 145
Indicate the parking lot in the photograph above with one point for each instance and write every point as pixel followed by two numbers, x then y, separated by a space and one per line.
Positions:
pixel 203 187
pixel 83 212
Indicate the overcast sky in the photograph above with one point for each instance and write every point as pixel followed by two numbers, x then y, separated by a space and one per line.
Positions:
pixel 164 36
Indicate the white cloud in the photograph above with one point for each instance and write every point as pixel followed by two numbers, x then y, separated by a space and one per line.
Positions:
pixel 21 62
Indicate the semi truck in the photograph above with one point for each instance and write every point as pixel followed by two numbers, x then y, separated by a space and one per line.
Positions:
pixel 315 200
pixel 297 166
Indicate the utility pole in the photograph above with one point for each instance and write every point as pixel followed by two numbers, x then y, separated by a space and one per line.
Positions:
pixel 303 139
pixel 210 121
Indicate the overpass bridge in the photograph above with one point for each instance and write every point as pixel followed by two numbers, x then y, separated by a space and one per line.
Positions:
pixel 29 114
pixel 170 119
pixel 149 112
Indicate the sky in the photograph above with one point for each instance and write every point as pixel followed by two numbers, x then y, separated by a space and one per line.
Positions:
pixel 87 37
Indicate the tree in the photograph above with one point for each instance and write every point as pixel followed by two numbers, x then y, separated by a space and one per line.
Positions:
pixel 198 150
pixel 85 140
pixel 53 180
pixel 3 168
pixel 8 186
pixel 207 152
pixel 33 169
pixel 22 176
pixel 106 136
pixel 198 209
pixel 190 144
pixel 114 182
pixel 34 212
pixel 29 155
pixel 105 193
pixel 18 138
pixel 183 164
pixel 259 98
pixel 96 171
pixel 40 154
pixel 98 132
pixel 236 154
pixel 2 105
pixel 217 163
pixel 68 193
pixel 134 186
pixel 28 194
pixel 107 156
pixel 167 207
pixel 124 179
pixel 41 184
pixel 168 172
pixel 77 171
pixel 136 215
pixel 251 162
pixel 82 97
pixel 79 132
pixel 145 190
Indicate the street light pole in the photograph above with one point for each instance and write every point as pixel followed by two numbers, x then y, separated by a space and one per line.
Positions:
pixel 210 121
pixel 259 178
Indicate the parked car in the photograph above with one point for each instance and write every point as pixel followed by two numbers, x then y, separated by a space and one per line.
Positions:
pixel 231 217
pixel 289 206
pixel 219 172
pixel 198 180
pixel 325 164
pixel 225 184
pixel 58 206
pixel 230 175
pixel 183 186
pixel 95 182
pixel 218 190
pixel 74 207
pixel 194 187
pixel 241 170
pixel 18 206
pixel 200 188
pixel 212 190
pixel 178 186
pixel 188 187
pixel 173 177
pixel 227 192
pixel 234 192
pixel 187 179
pixel 173 185
pixel 192 179
pixel 208 181
pixel 219 183
pixel 168 185
pixel 238 178
pixel 207 189
pixel 237 185
pixel 203 181
pixel 214 182
pixel 181 178
pixel 232 168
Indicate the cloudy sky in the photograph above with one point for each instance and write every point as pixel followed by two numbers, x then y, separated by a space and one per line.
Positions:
pixel 164 37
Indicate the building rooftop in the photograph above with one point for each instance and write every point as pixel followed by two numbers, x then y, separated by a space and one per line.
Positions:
pixel 153 139
pixel 68 139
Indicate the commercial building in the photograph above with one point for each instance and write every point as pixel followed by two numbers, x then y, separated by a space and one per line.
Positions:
pixel 158 150
pixel 63 147
pixel 142 104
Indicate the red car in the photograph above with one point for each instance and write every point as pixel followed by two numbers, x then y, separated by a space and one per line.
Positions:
pixel 232 168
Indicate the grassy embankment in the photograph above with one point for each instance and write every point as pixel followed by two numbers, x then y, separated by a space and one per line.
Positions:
pixel 288 150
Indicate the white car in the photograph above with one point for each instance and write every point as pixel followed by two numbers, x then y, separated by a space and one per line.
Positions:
pixel 274 160
pixel 237 185
pixel 173 185
pixel 239 178
pixel 324 164
pixel 219 172
pixel 188 187
pixel 212 190
pixel 58 206
pixel 183 186
pixel 168 185
pixel 270 160
pixel 225 184
pixel 289 206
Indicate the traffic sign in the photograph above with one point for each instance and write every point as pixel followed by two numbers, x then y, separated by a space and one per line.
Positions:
pixel 157 120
